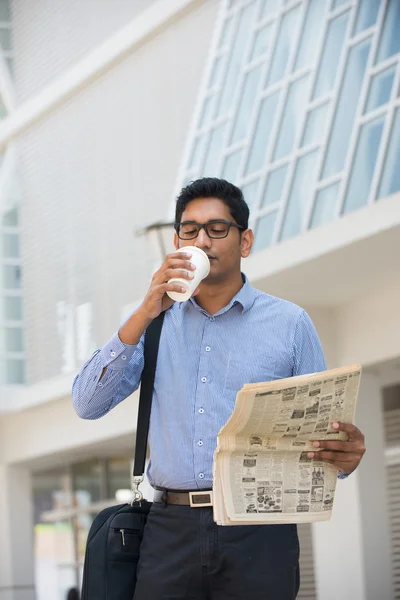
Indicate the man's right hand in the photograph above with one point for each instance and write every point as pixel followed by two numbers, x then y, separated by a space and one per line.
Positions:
pixel 156 300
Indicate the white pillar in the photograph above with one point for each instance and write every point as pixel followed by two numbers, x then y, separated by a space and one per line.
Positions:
pixel 16 535
pixel 352 551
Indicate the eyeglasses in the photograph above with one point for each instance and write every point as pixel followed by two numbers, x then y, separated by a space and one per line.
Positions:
pixel 216 229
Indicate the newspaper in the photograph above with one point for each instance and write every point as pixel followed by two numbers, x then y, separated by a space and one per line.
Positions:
pixel 261 470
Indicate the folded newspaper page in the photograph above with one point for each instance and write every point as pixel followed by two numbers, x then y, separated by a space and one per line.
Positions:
pixel 262 473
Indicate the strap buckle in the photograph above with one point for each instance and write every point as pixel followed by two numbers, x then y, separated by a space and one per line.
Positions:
pixel 200 499
pixel 137 495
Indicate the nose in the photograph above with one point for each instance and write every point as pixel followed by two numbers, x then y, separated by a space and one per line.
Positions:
pixel 202 240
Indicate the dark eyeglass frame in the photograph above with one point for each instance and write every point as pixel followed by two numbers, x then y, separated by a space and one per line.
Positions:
pixel 205 227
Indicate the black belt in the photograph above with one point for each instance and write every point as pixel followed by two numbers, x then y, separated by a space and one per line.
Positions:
pixel 195 499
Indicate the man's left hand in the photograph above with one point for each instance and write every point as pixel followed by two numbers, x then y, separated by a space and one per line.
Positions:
pixel 346 456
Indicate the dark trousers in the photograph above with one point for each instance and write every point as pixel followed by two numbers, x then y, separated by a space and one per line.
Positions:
pixel 185 555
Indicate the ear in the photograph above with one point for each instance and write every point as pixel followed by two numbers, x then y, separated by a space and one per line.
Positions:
pixel 176 241
pixel 247 242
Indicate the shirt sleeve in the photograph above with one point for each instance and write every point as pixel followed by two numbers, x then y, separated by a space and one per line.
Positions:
pixel 93 397
pixel 308 356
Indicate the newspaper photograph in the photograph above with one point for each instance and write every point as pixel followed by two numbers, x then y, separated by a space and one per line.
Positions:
pixel 262 472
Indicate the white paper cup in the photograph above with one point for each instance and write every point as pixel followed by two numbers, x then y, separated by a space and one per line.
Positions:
pixel 201 260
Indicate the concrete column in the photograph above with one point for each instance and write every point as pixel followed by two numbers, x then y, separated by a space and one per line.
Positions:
pixel 352 551
pixel 16 535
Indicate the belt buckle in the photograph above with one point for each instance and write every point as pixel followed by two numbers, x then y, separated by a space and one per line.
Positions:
pixel 200 499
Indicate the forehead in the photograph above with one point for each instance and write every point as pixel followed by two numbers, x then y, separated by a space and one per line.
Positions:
pixel 206 209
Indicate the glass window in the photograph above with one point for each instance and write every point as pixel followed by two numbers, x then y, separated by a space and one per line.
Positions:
pixel 10 245
pixel 269 7
pixel 390 38
pixel 380 88
pixel 15 371
pixel 5 39
pixel 315 126
pixel 325 205
pixel 231 166
pixel 206 113
pixel 390 182
pixel 88 478
pixel 197 151
pixel 13 308
pixel 5 10
pixel 364 165
pixel 226 32
pixel 14 339
pixel 284 45
pixel 265 231
pixel 262 134
pixel 331 55
pixel 3 112
pixel 213 151
pixel 250 193
pixel 10 218
pixel 246 104
pixel 367 14
pixel 273 189
pixel 302 187
pixel 261 42
pixel 337 3
pixel 237 57
pixel 311 34
pixel 12 277
pixel 292 117
pixel 119 475
pixel 216 71
pixel 346 109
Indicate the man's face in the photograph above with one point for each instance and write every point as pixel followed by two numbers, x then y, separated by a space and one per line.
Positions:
pixel 225 253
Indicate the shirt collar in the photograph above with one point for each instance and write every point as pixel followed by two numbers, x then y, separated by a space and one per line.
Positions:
pixel 245 297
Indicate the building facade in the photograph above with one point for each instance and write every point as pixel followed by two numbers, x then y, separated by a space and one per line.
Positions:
pixel 107 109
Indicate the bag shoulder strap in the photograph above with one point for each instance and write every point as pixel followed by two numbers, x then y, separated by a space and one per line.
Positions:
pixel 151 344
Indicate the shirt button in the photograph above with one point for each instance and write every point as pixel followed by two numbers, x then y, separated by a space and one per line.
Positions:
pixel 212 318
pixel 204 379
pixel 208 348
pixel 123 357
pixel 100 384
pixel 201 475
pixel 112 353
pixel 201 410
pixel 200 443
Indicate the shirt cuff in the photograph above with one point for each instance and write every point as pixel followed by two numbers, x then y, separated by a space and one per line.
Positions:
pixel 343 475
pixel 116 354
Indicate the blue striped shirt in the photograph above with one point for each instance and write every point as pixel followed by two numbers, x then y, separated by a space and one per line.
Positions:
pixel 203 361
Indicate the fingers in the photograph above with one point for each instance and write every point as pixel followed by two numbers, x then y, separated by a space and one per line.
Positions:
pixel 352 431
pixel 335 457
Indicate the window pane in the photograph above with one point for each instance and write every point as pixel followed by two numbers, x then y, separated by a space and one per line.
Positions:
pixel 325 205
pixel 269 7
pixel 12 277
pixel 197 151
pixel 15 371
pixel 265 231
pixel 246 18
pixel 364 165
pixel 390 40
pixel 367 14
pixel 216 71
pixel 390 181
pixel 331 55
pixel 14 339
pixel 302 186
pixel 5 10
pixel 315 125
pixel 292 117
pixel 250 193
pixel 262 135
pixel 214 151
pixel 246 105
pixel 5 39
pixel 226 32
pixel 274 187
pixel 87 478
pixel 284 45
pixel 207 111
pixel 119 475
pixel 10 218
pixel 10 245
pixel 347 106
pixel 261 42
pixel 231 166
pixel 13 308
pixel 337 3
pixel 311 34
pixel 380 89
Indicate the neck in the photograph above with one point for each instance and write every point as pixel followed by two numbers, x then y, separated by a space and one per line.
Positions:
pixel 214 296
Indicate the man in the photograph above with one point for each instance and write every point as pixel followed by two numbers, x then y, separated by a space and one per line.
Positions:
pixel 228 335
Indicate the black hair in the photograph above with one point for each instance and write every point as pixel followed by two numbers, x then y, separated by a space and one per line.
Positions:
pixel 212 187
